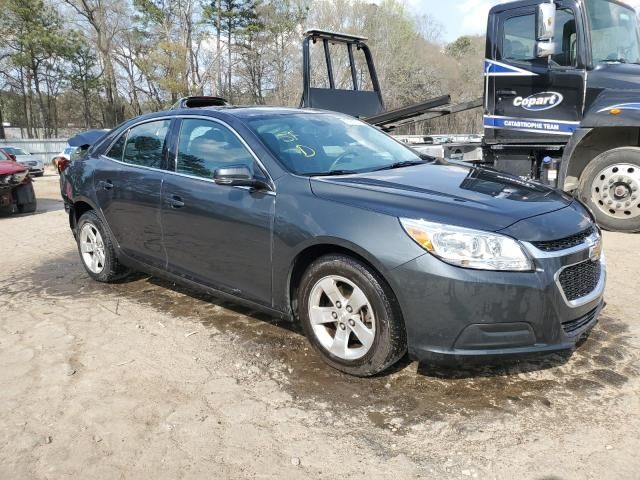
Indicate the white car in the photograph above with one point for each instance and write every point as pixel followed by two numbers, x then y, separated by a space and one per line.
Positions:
pixel 35 165
pixel 66 153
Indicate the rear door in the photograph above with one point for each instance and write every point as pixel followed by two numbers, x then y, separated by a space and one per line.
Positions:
pixel 214 234
pixel 535 100
pixel 128 184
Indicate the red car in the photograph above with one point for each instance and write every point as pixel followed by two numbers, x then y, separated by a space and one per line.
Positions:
pixel 16 189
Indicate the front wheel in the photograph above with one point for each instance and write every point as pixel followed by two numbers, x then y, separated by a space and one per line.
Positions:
pixel 26 198
pixel 350 316
pixel 610 186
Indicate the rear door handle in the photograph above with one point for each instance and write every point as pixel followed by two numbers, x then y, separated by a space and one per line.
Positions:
pixel 106 184
pixel 175 201
pixel 507 93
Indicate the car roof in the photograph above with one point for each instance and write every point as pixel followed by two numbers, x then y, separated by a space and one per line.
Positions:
pixel 237 111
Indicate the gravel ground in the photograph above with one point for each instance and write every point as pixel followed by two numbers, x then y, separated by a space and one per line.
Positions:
pixel 144 379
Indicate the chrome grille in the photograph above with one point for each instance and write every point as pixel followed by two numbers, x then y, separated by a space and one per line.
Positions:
pixel 564 243
pixel 580 280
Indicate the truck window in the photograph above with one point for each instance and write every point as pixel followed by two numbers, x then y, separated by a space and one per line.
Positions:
pixel 565 38
pixel 615 34
pixel 519 38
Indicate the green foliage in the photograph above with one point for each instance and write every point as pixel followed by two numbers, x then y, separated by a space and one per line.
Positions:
pixel 110 59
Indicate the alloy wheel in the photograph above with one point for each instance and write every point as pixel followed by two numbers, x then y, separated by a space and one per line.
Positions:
pixel 342 318
pixel 92 248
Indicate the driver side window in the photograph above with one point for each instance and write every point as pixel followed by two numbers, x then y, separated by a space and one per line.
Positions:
pixel 519 39
pixel 204 146
pixel 565 38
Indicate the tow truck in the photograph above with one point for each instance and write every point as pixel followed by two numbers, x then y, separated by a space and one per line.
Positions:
pixel 561 100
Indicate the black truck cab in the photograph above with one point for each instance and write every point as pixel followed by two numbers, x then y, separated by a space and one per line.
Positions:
pixel 562 89
pixel 561 98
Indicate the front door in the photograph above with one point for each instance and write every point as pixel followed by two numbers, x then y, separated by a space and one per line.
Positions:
pixel 534 100
pixel 214 234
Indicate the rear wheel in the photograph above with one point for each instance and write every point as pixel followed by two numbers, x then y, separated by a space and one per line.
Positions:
pixel 97 250
pixel 350 316
pixel 610 186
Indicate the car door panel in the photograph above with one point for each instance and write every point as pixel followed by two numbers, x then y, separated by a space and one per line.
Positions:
pixel 220 235
pixel 128 187
pixel 215 234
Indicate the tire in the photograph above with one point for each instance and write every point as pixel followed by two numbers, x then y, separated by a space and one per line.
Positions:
pixel 610 186
pixel 40 174
pixel 25 198
pixel 107 268
pixel 385 336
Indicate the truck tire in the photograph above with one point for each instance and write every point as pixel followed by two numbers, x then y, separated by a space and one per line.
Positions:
pixel 610 186
pixel 25 198
pixel 350 316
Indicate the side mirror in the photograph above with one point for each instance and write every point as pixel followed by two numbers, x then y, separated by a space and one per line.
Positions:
pixel 545 49
pixel 238 176
pixel 13 157
pixel 546 21
pixel 545 30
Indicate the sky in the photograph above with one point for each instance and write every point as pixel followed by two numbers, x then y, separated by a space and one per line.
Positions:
pixel 461 17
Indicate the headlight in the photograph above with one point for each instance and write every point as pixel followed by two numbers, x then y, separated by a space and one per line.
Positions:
pixel 19 177
pixel 468 248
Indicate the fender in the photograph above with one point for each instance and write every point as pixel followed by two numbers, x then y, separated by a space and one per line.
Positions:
pixel 281 294
pixel 613 108
pixel 567 156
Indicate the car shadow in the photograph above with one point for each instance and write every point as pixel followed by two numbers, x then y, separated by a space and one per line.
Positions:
pixel 269 347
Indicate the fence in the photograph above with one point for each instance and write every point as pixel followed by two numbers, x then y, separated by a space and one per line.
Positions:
pixel 45 149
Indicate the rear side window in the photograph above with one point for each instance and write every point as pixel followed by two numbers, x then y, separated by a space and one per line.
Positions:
pixel 116 151
pixel 145 144
pixel 204 146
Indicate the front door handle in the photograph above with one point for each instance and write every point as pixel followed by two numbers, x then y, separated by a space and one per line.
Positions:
pixel 507 93
pixel 175 201
pixel 106 184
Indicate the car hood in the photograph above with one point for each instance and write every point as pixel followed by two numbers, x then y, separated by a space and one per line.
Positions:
pixel 26 158
pixel 9 168
pixel 449 193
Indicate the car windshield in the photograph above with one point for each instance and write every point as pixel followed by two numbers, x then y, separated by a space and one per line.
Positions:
pixel 329 144
pixel 614 32
pixel 15 151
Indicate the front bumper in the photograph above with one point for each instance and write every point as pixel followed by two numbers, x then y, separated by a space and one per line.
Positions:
pixel 454 312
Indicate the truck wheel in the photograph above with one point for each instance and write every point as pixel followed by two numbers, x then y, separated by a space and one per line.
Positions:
pixel 610 186
pixel 97 251
pixel 25 198
pixel 350 316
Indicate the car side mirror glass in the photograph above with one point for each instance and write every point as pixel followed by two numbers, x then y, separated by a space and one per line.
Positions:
pixel 237 176
pixel 546 22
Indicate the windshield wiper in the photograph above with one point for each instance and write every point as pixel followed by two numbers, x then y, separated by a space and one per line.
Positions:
pixel 614 60
pixel 408 163
pixel 332 173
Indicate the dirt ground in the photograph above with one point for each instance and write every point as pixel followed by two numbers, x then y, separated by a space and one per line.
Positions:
pixel 146 380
